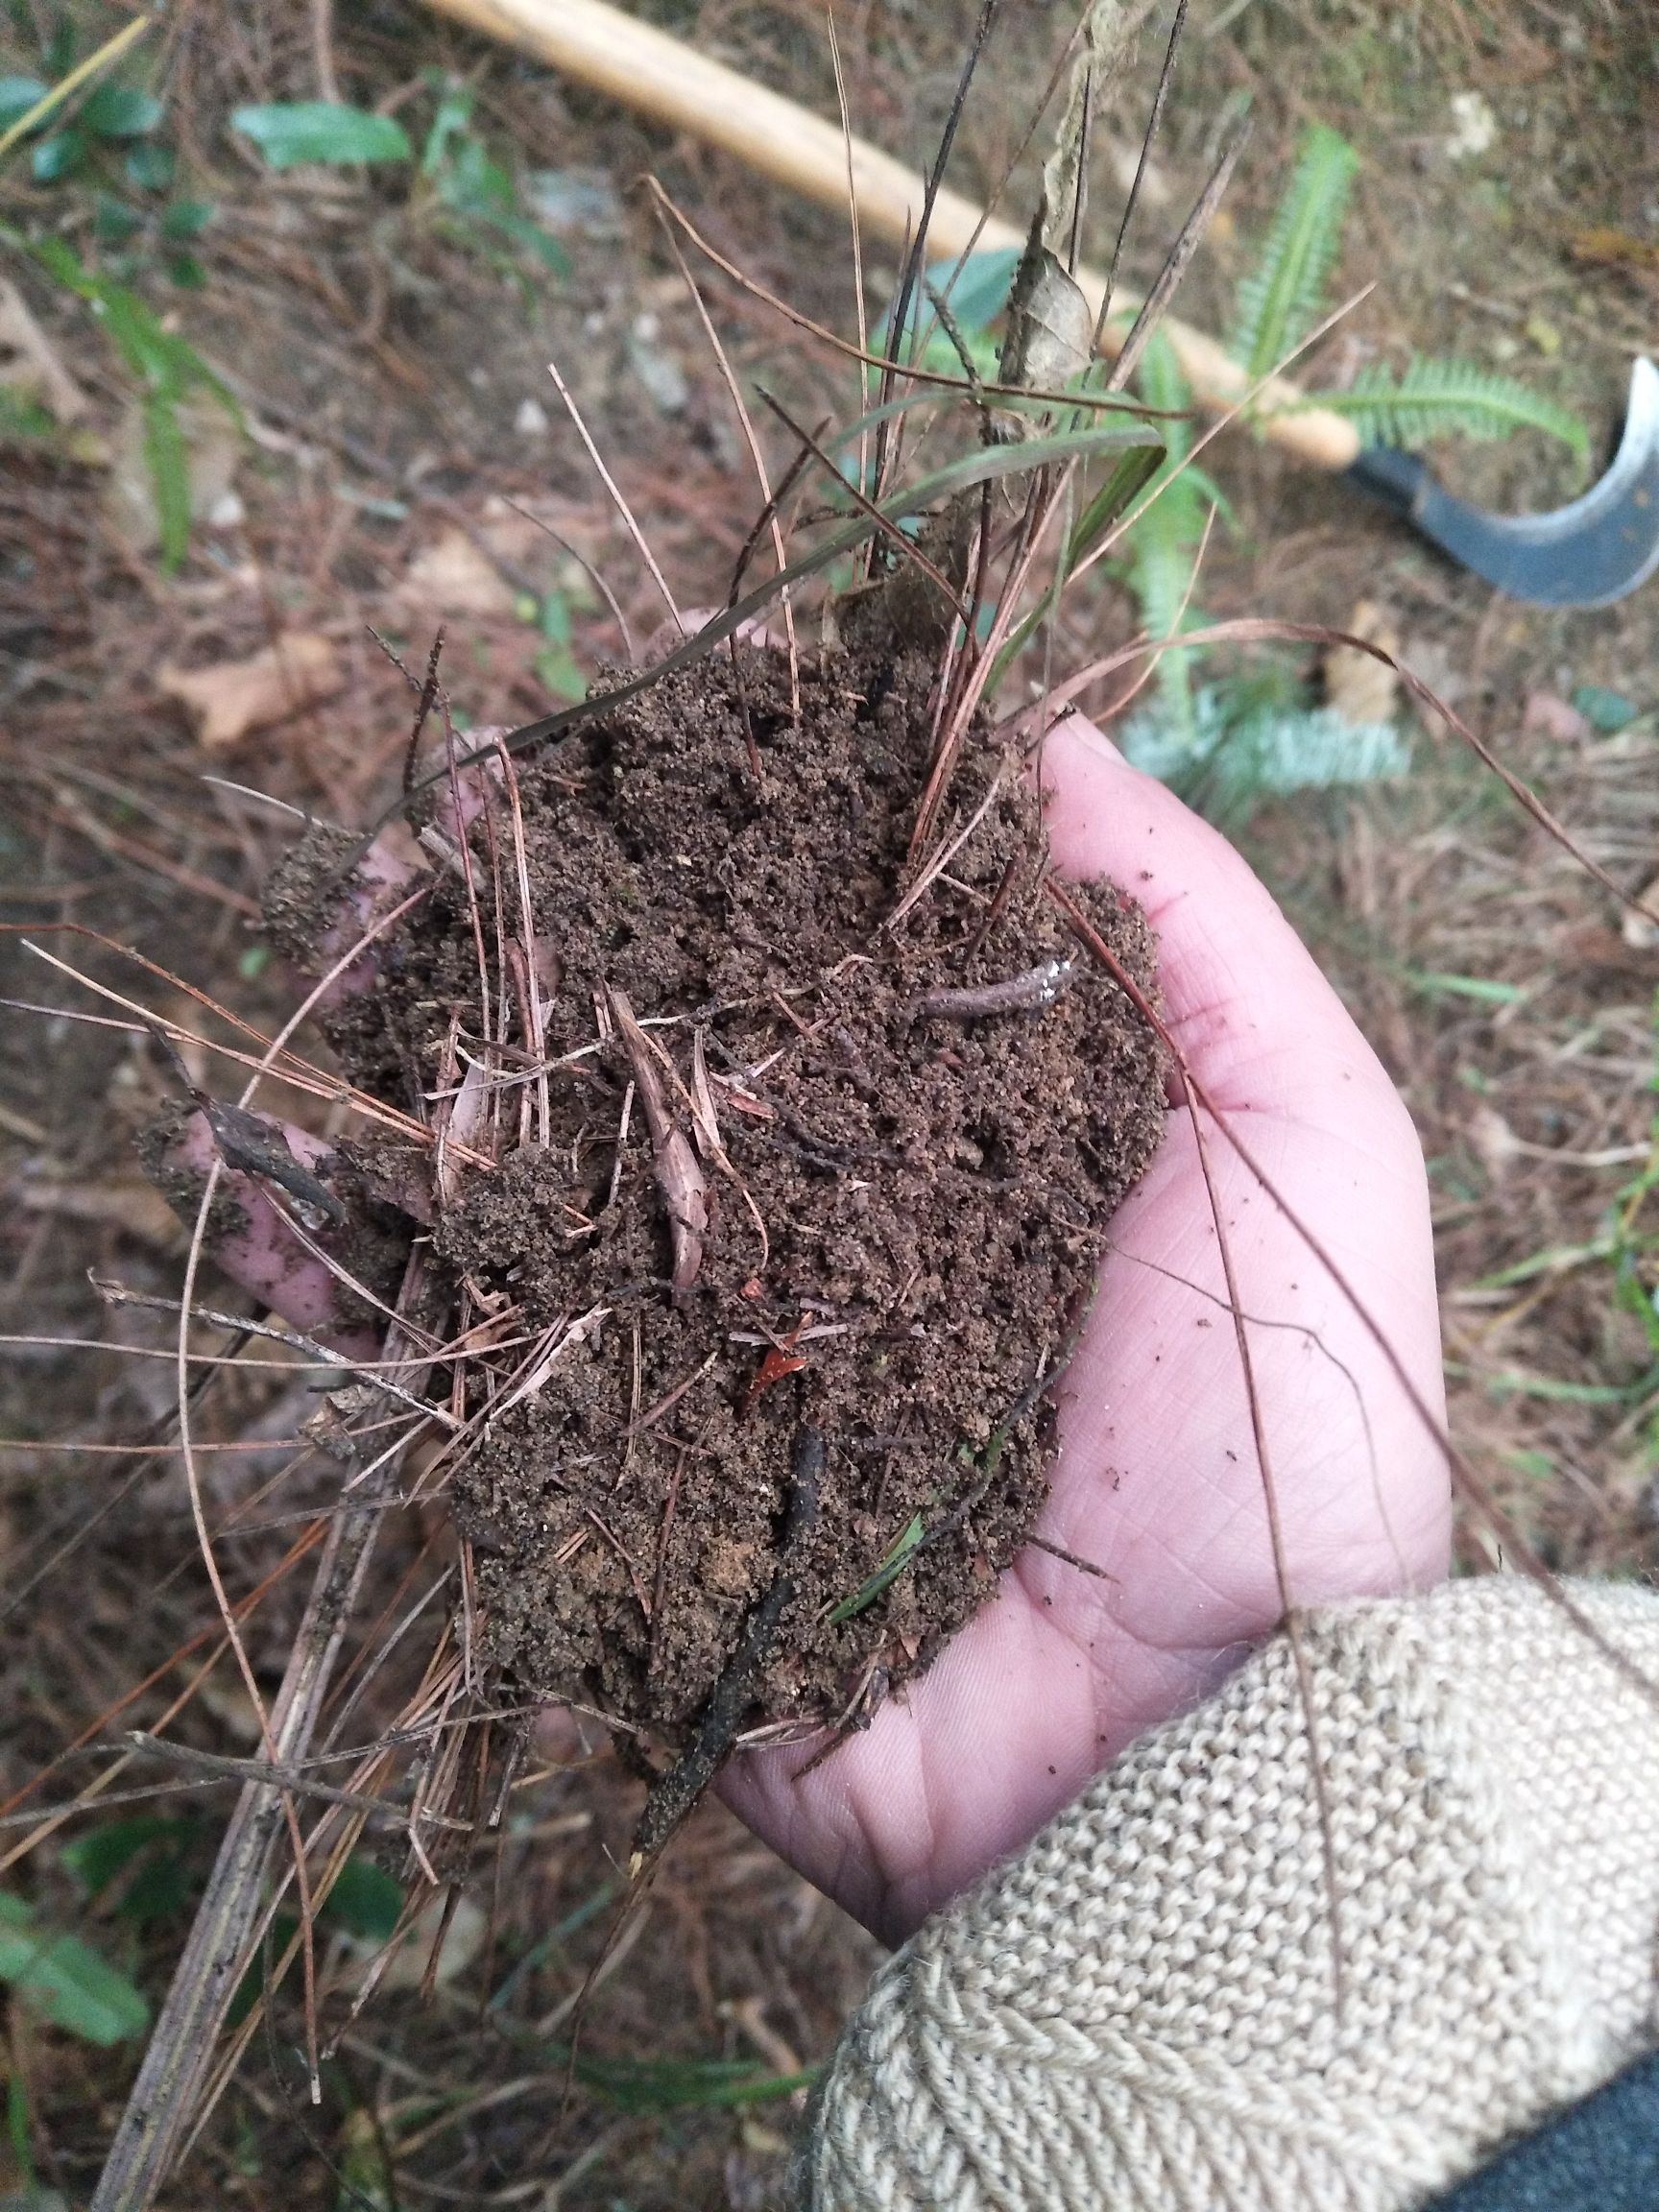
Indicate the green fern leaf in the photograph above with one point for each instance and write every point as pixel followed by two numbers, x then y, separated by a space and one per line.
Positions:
pixel 1440 398
pixel 1277 303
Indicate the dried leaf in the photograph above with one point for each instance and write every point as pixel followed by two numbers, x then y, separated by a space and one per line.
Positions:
pixel 29 362
pixel 1050 324
pixel 128 1203
pixel 1613 248
pixel 1364 691
pixel 464 1937
pixel 1107 38
pixel 233 697
pixel 557 1343
pixel 705 1121
pixel 453 578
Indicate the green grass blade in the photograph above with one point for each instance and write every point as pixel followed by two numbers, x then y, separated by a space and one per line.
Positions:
pixel 683 2084
pixel 898 1558
pixel 1130 477
pixel 167 457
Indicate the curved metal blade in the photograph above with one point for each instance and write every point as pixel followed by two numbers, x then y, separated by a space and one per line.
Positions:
pixel 1589 553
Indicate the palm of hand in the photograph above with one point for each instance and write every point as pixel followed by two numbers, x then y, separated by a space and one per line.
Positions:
pixel 1158 1481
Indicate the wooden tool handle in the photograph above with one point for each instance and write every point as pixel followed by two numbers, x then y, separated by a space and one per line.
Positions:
pixel 645 69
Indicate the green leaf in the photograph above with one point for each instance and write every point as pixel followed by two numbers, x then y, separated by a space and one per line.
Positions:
pixel 96 1857
pixel 1131 473
pixel 152 1850
pixel 1112 502
pixel 186 218
pixel 473 184
pixel 985 465
pixel 558 673
pixel 151 167
pixel 454 118
pixel 23 418
pixel 167 456
pixel 365 1900
pixel 112 219
pixel 65 1980
pixel 1277 303
pixel 58 157
pixel 163 360
pixel 1439 398
pixel 186 271
pixel 120 112
pixel 17 95
pixel 976 297
pixel 290 131
pixel 1162 547
pixel 1486 990
pixel 1608 711
pixel 18 2135
pixel 541 246
pixel 896 1559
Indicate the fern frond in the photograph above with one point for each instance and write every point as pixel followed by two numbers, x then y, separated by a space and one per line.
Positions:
pixel 1242 749
pixel 1440 398
pixel 1279 301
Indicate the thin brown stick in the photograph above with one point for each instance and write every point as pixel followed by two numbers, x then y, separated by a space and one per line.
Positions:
pixel 617 500
pixel 907 548
pixel 912 372
pixel 1071 1558
pixel 1157 301
pixel 680 1180
pixel 1134 199
pixel 595 576
pixel 162 2099
pixel 217 1767
pixel 757 459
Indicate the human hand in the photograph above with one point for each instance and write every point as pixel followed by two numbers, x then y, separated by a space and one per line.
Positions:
pixel 1157 1483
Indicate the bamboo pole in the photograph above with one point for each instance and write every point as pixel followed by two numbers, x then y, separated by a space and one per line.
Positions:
pixel 645 69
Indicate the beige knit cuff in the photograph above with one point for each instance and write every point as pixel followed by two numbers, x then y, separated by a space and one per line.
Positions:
pixel 1195 1989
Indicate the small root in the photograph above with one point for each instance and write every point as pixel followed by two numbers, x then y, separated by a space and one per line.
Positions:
pixel 1027 993
pixel 676 1792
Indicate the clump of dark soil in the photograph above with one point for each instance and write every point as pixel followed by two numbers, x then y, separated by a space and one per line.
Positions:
pixel 783 1202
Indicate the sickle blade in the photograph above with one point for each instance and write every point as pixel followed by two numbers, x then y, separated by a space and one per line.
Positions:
pixel 1589 553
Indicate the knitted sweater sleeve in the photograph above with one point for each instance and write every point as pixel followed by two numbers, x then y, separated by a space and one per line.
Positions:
pixel 1220 1983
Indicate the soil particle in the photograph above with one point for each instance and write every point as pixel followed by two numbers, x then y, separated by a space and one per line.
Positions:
pixel 902 1144
pixel 305 878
